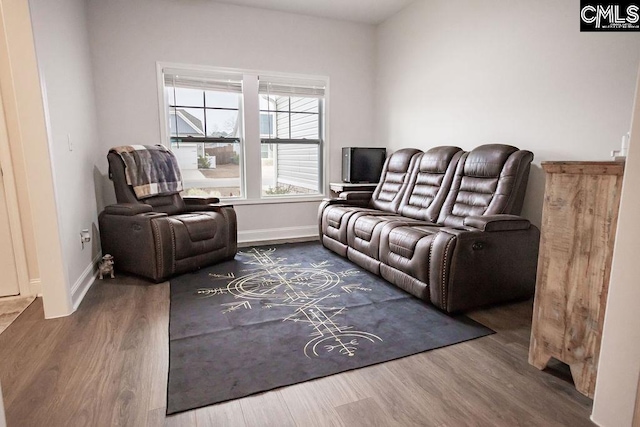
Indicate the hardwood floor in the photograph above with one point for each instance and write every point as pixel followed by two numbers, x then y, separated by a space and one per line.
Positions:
pixel 106 365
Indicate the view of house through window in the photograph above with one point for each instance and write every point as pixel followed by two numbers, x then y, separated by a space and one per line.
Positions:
pixel 205 127
pixel 291 160
pixel 204 118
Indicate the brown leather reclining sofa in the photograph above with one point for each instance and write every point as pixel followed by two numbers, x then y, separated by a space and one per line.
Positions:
pixel 442 225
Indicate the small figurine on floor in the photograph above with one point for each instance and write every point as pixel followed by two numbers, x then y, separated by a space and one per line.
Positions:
pixel 106 266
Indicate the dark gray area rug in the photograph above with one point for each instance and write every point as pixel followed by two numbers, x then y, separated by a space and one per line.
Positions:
pixel 285 314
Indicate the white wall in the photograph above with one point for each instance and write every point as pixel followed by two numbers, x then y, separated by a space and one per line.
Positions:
pixel 519 72
pixel 619 365
pixel 62 47
pixel 127 38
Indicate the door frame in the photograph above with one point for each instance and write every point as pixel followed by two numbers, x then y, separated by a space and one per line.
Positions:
pixel 636 413
pixel 13 211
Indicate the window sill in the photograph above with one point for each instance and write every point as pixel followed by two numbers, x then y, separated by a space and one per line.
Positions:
pixel 273 200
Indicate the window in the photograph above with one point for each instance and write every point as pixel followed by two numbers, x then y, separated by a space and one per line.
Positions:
pixel 204 115
pixel 266 124
pixel 294 139
pixel 245 134
pixel 266 128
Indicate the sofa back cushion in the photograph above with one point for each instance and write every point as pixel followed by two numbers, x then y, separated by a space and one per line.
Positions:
pixel 429 183
pixel 489 180
pixel 394 179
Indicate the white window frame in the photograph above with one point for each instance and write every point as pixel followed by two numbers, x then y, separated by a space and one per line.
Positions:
pixel 250 169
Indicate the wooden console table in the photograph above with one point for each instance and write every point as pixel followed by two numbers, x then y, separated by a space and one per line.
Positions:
pixel 579 221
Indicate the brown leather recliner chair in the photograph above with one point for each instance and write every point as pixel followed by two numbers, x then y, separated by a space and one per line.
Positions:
pixel 162 236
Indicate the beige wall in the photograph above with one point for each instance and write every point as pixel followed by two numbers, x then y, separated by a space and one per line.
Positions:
pixel 619 366
pixel 469 72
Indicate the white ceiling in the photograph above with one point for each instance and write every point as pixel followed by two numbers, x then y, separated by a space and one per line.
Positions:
pixel 365 11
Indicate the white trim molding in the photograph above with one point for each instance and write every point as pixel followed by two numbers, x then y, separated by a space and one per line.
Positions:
pixel 270 234
pixel 24 100
pixel 7 180
pixel 35 287
pixel 84 282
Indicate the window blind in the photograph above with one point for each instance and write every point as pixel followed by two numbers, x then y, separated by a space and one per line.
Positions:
pixel 219 82
pixel 272 85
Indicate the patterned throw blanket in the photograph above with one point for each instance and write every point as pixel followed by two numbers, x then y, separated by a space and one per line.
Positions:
pixel 152 170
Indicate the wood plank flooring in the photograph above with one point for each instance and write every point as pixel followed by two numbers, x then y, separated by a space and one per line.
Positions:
pixel 106 365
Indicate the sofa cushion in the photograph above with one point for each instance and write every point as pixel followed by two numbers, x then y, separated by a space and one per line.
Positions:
pixel 408 249
pixel 197 233
pixel 488 160
pixel 394 179
pixel 335 219
pixel 429 183
pixel 489 180
pixel 364 231
pixel 365 225
pixel 198 226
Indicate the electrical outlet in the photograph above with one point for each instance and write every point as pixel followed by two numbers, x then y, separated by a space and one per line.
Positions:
pixel 69 143
pixel 85 237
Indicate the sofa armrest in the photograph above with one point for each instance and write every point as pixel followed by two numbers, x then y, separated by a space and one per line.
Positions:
pixel 497 222
pixel 200 200
pixel 473 268
pixel 325 203
pixel 347 202
pixel 215 207
pixel 127 209
pixel 356 195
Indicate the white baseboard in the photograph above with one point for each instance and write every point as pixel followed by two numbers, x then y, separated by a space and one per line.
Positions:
pixel 35 285
pixel 84 282
pixel 267 234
